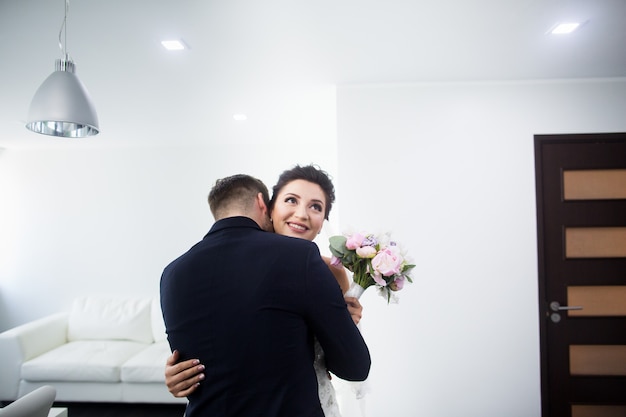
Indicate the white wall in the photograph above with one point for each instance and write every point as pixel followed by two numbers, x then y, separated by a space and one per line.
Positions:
pixel 449 170
pixel 85 218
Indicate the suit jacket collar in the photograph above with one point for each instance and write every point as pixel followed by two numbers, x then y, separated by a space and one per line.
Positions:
pixel 229 222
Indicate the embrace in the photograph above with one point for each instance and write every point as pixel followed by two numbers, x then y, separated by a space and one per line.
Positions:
pixel 262 312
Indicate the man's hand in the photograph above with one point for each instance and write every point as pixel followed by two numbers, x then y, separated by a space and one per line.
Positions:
pixel 182 378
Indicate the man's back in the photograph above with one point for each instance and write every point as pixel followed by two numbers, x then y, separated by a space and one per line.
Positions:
pixel 246 303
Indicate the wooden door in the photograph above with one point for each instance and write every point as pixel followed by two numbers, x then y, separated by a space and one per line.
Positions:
pixel 581 225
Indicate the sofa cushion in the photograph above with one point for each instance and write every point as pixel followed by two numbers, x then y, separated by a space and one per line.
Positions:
pixel 84 360
pixel 158 325
pixel 93 318
pixel 147 365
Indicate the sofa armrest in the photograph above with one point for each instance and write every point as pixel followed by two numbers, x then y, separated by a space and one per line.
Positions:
pixel 26 342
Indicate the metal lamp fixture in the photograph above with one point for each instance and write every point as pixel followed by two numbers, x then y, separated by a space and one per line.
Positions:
pixel 62 106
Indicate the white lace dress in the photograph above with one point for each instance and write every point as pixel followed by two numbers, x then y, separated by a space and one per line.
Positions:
pixel 325 387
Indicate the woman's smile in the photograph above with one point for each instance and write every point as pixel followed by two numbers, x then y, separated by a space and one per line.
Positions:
pixel 297 226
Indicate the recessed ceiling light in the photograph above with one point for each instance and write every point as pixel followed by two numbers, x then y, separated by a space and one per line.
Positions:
pixel 564 28
pixel 174 45
pixel 240 117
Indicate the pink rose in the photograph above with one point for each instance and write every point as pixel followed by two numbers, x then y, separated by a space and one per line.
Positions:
pixel 354 241
pixel 334 261
pixel 387 262
pixel 366 251
pixel 379 280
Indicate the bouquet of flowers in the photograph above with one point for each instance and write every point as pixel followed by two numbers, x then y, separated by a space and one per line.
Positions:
pixel 374 261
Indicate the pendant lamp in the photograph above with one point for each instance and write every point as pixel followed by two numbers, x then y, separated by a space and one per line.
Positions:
pixel 62 105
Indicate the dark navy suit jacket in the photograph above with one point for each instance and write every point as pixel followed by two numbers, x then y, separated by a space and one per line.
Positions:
pixel 248 303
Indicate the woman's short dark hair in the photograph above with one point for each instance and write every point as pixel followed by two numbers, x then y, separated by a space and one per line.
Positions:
pixel 310 173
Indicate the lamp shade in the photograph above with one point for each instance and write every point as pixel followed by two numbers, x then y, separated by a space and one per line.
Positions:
pixel 62 106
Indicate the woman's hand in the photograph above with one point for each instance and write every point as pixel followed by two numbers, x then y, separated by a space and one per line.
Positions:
pixel 340 274
pixel 182 378
pixel 354 308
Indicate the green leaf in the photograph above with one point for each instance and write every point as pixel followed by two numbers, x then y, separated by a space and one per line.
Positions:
pixel 338 246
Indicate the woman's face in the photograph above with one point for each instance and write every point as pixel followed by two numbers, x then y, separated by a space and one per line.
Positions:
pixel 299 210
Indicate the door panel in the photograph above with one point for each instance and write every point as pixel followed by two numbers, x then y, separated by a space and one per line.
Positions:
pixel 597 360
pixel 598 411
pixel 598 300
pixel 594 184
pixel 595 242
pixel 581 231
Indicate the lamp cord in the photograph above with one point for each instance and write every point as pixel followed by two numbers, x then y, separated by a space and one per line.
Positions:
pixel 63 33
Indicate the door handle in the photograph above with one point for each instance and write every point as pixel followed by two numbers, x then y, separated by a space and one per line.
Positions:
pixel 555 306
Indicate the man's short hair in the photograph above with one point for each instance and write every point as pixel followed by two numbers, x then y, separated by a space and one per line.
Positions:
pixel 237 191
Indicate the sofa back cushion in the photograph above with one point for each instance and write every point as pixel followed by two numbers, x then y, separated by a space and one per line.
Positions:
pixel 95 318
pixel 158 326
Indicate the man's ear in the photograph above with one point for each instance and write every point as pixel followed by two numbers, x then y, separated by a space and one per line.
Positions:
pixel 261 202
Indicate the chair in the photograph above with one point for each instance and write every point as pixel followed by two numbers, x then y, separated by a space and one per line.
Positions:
pixel 34 404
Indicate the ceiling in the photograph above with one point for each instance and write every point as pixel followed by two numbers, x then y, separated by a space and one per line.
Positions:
pixel 244 53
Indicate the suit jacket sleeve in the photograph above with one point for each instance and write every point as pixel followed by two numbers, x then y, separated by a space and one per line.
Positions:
pixel 346 353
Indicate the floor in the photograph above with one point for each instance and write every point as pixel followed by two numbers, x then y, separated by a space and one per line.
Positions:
pixel 122 410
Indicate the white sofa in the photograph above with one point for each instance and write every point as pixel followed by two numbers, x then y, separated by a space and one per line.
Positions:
pixel 103 350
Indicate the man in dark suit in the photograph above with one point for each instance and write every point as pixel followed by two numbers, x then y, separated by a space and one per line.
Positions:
pixel 248 303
